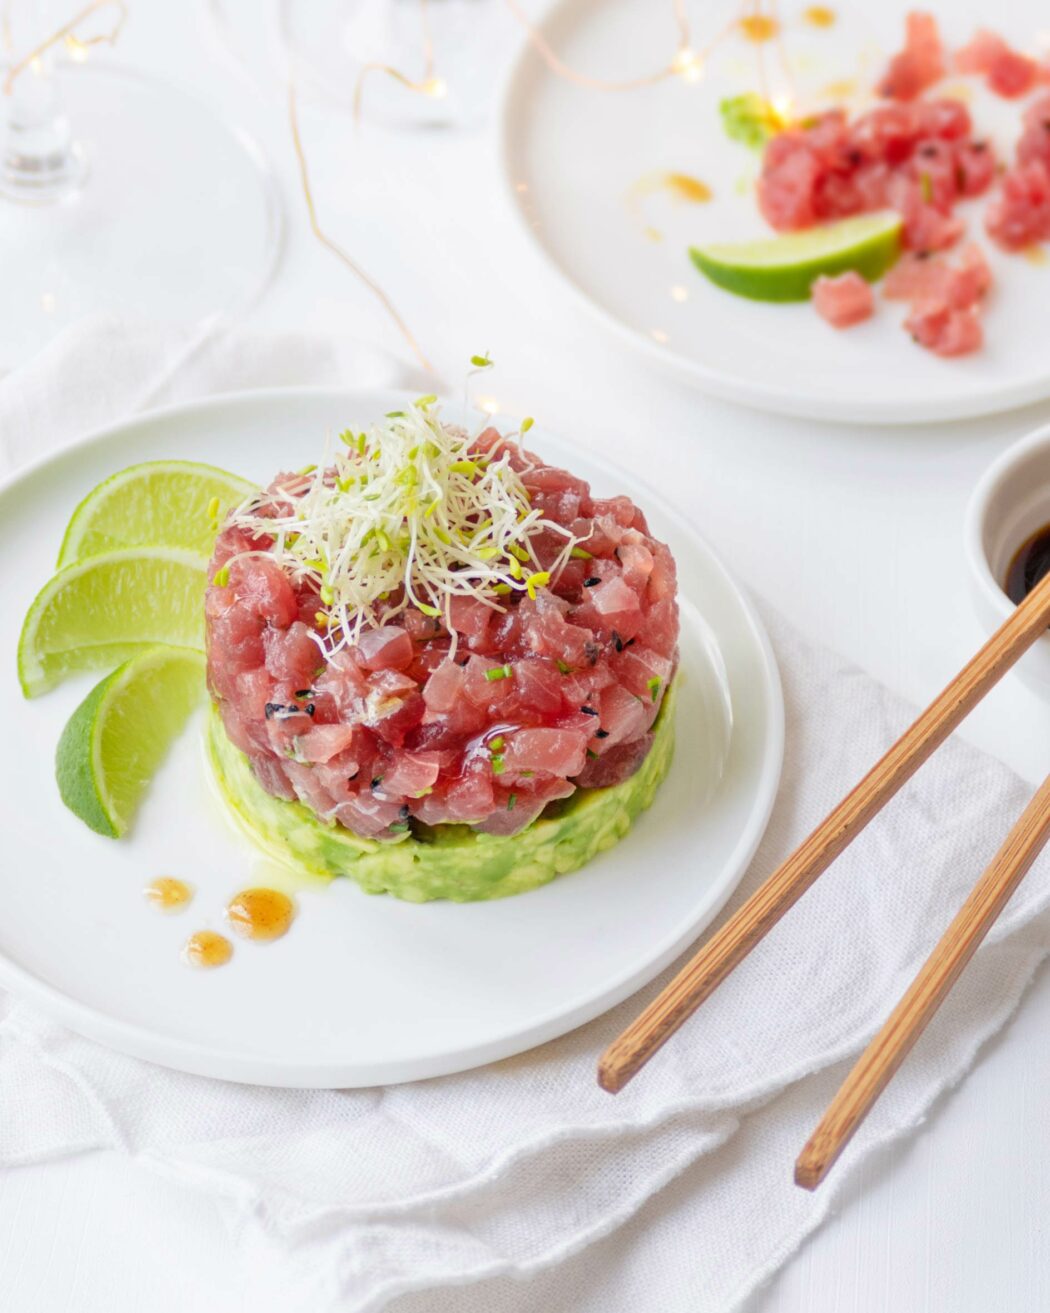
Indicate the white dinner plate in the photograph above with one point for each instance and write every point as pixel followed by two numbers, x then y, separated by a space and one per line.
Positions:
pixel 362 990
pixel 573 157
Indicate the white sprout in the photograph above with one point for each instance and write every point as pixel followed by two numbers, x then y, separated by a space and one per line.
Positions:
pixel 405 516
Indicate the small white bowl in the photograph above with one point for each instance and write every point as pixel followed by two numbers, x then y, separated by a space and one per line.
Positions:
pixel 1011 502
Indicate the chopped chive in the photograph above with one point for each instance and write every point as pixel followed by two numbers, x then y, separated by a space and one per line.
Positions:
pixel 496 744
pixel 498 672
pixel 653 685
pixel 512 798
pixel 398 827
pixel 221 577
pixel 579 554
pixel 497 765
pixel 565 670
pixel 591 754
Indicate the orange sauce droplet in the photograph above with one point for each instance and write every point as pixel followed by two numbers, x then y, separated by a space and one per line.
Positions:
pixel 819 16
pixel 684 187
pixel 207 949
pixel 167 894
pixel 262 914
pixel 759 27
pixel 1036 255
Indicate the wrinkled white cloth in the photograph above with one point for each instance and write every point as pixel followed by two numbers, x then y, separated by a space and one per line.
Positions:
pixel 521 1186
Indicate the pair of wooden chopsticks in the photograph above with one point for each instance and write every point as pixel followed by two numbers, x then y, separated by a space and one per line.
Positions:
pixel 731 944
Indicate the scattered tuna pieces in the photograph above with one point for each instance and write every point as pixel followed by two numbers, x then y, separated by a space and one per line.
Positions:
pixel 921 156
pixel 919 159
pixel 1006 71
pixel 844 300
pixel 920 64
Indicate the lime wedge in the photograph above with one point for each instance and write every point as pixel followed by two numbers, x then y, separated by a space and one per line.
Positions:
pixel 784 268
pixel 105 609
pixel 162 503
pixel 117 737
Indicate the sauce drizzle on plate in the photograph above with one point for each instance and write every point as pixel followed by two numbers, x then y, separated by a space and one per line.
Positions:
pixel 167 894
pixel 206 948
pixel 260 914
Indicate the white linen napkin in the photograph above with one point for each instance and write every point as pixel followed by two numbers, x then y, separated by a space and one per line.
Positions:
pixel 440 1197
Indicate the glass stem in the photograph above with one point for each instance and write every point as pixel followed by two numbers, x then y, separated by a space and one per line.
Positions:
pixel 40 163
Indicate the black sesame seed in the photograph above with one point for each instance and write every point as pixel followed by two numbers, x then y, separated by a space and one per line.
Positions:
pixel 629 643
pixel 377 781
pixel 601 733
pixel 591 651
pixel 590 583
pixel 303 692
pixel 617 641
pixel 350 778
pixel 404 813
pixel 309 708
pixel 588 711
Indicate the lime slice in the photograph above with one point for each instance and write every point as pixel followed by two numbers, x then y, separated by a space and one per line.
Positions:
pixel 105 609
pixel 784 268
pixel 162 503
pixel 117 737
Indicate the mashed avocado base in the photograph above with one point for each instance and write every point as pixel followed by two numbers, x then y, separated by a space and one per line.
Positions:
pixel 452 861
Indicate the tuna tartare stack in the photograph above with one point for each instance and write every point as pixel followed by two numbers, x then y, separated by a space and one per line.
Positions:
pixel 439 665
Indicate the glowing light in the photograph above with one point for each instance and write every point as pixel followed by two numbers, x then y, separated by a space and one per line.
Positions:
pixel 488 404
pixel 36 65
pixel 688 65
pixel 782 107
pixel 436 87
pixel 75 48
pixel 679 294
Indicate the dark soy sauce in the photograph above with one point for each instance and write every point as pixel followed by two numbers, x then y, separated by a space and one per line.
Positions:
pixel 1029 566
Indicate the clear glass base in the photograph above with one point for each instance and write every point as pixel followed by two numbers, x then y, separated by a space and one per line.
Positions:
pixel 161 210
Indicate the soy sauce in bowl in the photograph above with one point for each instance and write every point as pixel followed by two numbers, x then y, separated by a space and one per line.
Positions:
pixel 1030 565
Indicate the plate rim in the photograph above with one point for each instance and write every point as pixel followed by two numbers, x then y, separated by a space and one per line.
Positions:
pixel 741 390
pixel 181 1054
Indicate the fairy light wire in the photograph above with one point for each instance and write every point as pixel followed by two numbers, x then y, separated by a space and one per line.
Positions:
pixel 68 33
pixel 330 244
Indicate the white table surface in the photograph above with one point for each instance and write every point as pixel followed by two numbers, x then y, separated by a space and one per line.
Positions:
pixel 854 531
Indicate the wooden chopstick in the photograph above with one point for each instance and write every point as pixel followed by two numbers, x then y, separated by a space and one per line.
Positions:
pixel 629 1052
pixel 880 1060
